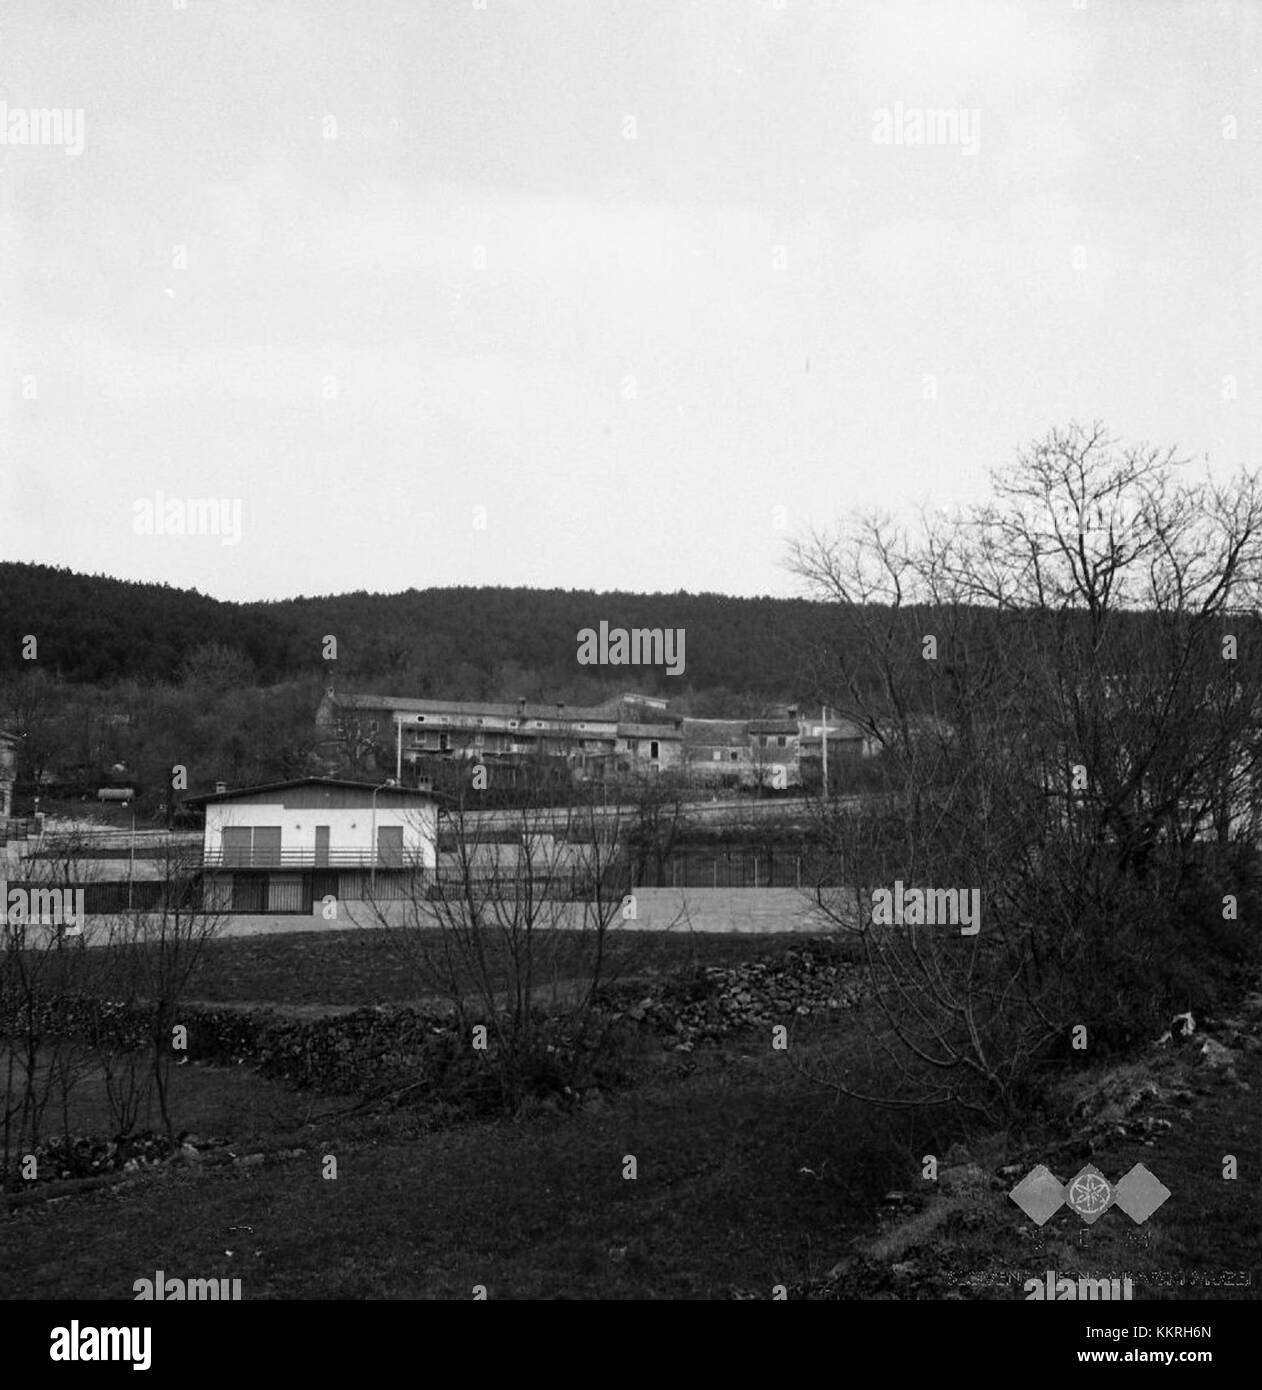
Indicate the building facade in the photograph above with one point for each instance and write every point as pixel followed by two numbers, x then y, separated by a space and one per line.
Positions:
pixel 649 748
pixel 624 738
pixel 592 743
pixel 8 771
pixel 287 846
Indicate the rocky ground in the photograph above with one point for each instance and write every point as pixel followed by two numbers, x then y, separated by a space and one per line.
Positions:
pixel 811 981
pixel 1180 1109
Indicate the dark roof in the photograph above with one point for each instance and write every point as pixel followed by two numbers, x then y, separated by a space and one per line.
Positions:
pixel 728 733
pixel 472 708
pixel 336 783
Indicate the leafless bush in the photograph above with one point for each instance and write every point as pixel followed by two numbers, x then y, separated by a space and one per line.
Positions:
pixel 517 930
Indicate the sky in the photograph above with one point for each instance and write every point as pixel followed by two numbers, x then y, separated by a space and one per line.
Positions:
pixel 602 295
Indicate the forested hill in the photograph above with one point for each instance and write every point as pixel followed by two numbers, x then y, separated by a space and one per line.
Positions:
pixel 458 642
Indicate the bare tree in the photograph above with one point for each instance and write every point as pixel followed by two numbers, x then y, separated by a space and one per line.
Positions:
pixel 515 931
pixel 655 825
pixel 42 959
pixel 72 989
pixel 1064 724
pixel 153 955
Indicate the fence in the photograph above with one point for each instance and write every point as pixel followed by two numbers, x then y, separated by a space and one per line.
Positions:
pixel 682 869
pixel 142 895
pixel 719 869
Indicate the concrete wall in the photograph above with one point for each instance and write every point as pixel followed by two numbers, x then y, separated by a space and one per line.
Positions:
pixel 754 910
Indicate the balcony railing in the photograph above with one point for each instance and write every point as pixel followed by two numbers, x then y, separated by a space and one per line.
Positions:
pixel 332 858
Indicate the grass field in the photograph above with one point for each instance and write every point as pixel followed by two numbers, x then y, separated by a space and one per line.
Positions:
pixel 360 966
pixel 748 1174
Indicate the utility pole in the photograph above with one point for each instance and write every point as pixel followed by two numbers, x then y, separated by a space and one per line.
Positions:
pixel 372 834
pixel 823 744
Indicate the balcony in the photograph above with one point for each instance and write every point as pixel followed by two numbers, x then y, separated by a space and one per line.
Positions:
pixel 332 858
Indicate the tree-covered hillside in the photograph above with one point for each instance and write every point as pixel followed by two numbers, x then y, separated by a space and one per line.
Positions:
pixel 457 642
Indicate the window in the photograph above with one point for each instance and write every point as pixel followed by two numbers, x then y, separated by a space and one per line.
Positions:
pixel 538 723
pixel 653 748
pixel 420 719
pixel 766 740
pixel 236 842
pixel 734 755
pixel 717 755
pixel 251 846
pixel 782 741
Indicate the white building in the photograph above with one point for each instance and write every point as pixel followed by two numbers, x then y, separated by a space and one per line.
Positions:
pixel 286 846
pixel 8 760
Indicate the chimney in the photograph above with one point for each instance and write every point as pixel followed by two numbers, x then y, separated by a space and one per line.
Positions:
pixel 793 711
pixel 521 706
pixel 220 788
pixel 560 709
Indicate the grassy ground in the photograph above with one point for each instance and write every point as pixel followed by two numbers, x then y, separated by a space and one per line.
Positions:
pixel 230 1101
pixel 748 1175
pixel 364 966
pixel 533 1208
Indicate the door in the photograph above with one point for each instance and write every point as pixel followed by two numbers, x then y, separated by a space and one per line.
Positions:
pixel 390 845
pixel 249 892
pixel 285 893
pixel 322 846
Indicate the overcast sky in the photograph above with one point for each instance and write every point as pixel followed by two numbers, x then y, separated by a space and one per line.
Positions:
pixel 654 285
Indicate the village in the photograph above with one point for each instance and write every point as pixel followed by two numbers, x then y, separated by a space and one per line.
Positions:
pixel 630 670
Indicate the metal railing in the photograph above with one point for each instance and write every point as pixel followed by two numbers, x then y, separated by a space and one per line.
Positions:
pixel 332 858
